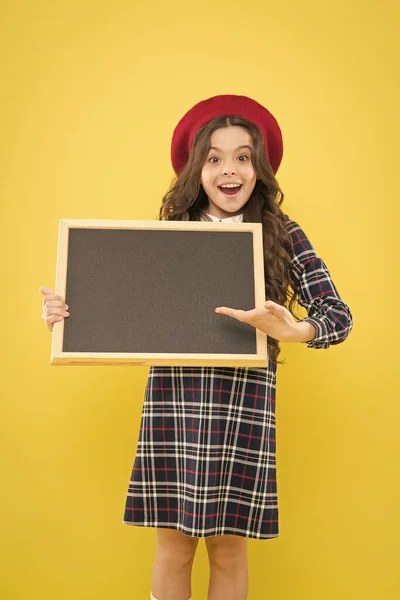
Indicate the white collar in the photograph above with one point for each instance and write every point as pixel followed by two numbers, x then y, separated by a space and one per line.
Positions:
pixel 234 219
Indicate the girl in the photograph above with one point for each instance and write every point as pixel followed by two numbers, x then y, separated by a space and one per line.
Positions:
pixel 205 465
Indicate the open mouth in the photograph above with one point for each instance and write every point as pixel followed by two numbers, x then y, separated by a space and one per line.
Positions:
pixel 230 191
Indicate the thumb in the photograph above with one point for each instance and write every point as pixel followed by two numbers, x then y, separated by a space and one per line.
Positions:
pixel 273 307
pixel 46 291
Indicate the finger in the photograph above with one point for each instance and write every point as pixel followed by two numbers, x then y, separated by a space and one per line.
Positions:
pixel 46 291
pixel 47 298
pixel 55 310
pixel 54 318
pixel 50 299
pixel 56 303
pixel 269 304
pixel 240 315
pixel 275 308
pixel 51 320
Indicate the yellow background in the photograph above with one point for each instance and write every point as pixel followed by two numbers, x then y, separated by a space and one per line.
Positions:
pixel 91 93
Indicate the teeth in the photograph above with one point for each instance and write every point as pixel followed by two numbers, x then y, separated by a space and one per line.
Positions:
pixel 230 185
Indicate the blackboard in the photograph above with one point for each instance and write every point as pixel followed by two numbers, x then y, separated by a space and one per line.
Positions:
pixel 145 292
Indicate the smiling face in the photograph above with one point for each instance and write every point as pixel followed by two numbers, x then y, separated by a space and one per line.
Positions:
pixel 228 162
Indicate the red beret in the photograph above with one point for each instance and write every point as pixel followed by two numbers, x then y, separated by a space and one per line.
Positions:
pixel 221 106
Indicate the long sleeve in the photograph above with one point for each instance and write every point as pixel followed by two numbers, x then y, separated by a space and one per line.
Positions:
pixel 326 310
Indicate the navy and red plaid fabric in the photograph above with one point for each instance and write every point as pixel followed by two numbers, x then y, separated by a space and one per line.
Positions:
pixel 317 293
pixel 206 456
pixel 205 463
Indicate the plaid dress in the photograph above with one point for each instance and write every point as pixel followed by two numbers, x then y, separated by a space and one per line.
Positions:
pixel 206 456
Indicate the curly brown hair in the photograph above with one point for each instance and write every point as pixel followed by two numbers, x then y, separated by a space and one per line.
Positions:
pixel 186 200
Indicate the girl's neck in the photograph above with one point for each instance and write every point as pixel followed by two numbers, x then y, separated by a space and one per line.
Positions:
pixel 236 217
pixel 217 212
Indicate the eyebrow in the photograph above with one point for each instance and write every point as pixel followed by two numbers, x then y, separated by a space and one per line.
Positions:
pixel 238 148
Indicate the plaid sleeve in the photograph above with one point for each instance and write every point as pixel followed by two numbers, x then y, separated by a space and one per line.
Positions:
pixel 327 312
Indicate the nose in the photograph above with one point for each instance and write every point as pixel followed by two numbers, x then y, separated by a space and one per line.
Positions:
pixel 226 170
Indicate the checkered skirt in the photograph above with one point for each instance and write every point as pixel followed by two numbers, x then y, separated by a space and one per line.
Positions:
pixel 206 456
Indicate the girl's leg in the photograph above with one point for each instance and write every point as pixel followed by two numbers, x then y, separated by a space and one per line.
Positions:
pixel 173 563
pixel 228 567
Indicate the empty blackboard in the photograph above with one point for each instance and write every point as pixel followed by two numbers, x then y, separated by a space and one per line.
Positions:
pixel 145 293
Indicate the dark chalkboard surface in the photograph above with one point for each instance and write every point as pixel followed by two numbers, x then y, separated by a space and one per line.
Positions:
pixel 145 292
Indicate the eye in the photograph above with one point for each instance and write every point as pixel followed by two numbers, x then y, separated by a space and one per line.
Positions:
pixel 210 159
pixel 243 156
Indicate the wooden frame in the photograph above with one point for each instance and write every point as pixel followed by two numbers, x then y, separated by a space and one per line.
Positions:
pixel 58 357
